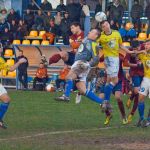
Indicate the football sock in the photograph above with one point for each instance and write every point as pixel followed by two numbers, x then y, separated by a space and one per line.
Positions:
pixel 141 107
pixel 54 59
pixel 135 105
pixel 121 108
pixel 68 87
pixel 3 109
pixel 107 91
pixel 132 96
pixel 107 113
pixel 148 116
pixel 93 97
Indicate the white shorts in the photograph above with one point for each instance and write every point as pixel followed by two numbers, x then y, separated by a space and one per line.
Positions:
pixel 2 90
pixel 145 87
pixel 112 66
pixel 81 69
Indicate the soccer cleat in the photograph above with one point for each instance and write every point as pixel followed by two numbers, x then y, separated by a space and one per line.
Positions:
pixel 141 123
pixel 106 106
pixel 130 117
pixel 107 121
pixel 124 121
pixel 63 98
pixel 147 123
pixel 2 125
pixel 78 98
pixel 128 104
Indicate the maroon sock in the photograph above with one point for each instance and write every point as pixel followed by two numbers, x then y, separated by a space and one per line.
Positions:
pixel 135 104
pixel 132 96
pixel 54 59
pixel 121 108
pixel 107 113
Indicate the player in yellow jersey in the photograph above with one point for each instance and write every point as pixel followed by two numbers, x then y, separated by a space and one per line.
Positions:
pixel 145 85
pixel 3 93
pixel 110 41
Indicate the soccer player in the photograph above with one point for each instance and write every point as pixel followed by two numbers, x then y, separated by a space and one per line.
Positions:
pixel 110 41
pixel 145 85
pixel 86 57
pixel 117 91
pixel 75 41
pixel 4 98
pixel 136 73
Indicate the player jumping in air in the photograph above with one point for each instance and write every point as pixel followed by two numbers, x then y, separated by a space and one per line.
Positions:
pixel 110 41
pixel 86 57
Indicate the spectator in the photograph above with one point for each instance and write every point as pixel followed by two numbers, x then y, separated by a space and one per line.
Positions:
pixel 98 7
pixel 22 71
pixel 6 37
pixel 41 76
pixel 13 29
pixel 32 6
pixel 65 28
pixel 51 31
pixel 29 19
pixel 136 13
pixel 61 7
pixel 46 6
pixel 13 16
pixel 127 32
pixel 147 14
pixel 38 21
pixel 74 10
pixel 116 13
pixel 22 30
pixel 4 24
pixel 3 14
pixel 47 18
pixel 62 76
pixel 58 18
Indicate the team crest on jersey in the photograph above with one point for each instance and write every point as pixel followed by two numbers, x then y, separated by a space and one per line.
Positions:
pixel 112 43
pixel 81 47
pixel 88 46
pixel 148 63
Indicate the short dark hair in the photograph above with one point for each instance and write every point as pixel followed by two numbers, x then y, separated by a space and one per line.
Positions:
pixel 102 22
pixel 75 24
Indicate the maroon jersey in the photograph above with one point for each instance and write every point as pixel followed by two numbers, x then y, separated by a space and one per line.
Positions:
pixel 75 40
pixel 134 71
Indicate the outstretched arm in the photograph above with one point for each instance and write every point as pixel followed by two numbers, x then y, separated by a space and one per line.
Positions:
pixel 16 65
pixel 126 49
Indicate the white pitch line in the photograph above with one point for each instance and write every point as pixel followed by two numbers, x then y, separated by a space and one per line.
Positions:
pixel 61 132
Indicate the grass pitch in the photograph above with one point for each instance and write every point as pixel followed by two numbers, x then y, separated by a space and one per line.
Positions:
pixel 36 121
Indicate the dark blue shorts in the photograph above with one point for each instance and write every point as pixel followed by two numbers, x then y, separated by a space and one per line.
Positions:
pixel 71 58
pixel 118 87
pixel 136 81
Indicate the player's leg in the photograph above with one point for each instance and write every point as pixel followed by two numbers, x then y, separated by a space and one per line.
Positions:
pixel 4 105
pixel 68 86
pixel 136 84
pixel 112 69
pixel 88 93
pixel 144 90
pixel 118 95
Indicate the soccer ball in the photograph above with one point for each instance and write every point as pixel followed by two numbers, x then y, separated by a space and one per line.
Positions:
pixel 50 88
pixel 100 16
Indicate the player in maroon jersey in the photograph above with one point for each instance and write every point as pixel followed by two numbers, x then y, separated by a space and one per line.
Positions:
pixel 75 40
